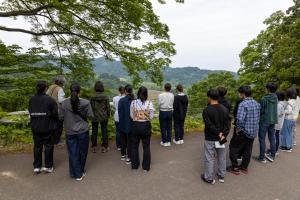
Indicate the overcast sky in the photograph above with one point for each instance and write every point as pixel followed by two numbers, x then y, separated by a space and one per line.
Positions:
pixel 208 34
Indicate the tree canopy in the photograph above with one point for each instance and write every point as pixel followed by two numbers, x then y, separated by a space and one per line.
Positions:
pixel 274 55
pixel 87 28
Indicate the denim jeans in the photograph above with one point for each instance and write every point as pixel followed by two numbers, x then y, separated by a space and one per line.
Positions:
pixel 263 130
pixel 287 133
pixel 118 136
pixel 95 126
pixel 179 129
pixel 40 141
pixel 78 145
pixel 165 121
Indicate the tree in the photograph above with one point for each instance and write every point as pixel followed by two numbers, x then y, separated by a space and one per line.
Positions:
pixel 274 55
pixel 198 92
pixel 97 27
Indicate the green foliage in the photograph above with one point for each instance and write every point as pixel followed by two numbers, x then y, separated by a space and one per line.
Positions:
pixel 93 27
pixel 198 92
pixel 274 54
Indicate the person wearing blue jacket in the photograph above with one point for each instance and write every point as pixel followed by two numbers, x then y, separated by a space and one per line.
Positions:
pixel 125 123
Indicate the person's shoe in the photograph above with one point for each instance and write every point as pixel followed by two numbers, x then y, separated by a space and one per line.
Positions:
pixel 119 149
pixel 221 179
pixel 83 174
pixel 244 171
pixel 234 170
pixel 123 157
pixel 128 161
pixel 289 150
pixel 162 144
pixel 168 144
pixel 176 142
pixel 37 170
pixel 104 149
pixel 294 144
pixel 181 141
pixel 282 148
pixel 48 170
pixel 146 171
pixel 240 159
pixel 79 179
pixel 261 160
pixel 94 149
pixel 212 182
pixel 270 158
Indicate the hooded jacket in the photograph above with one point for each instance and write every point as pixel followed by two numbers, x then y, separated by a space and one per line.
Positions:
pixel 100 106
pixel 268 111
pixel 180 106
pixel 75 123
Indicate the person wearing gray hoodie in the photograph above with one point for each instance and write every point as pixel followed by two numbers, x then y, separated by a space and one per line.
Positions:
pixel 75 112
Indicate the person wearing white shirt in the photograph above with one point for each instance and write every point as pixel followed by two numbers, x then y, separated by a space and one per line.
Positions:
pixel 116 100
pixel 165 105
pixel 141 113
pixel 56 91
pixel 289 121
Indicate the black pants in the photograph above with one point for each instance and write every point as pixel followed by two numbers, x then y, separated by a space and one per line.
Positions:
pixel 43 141
pixel 126 144
pixel 179 128
pixel 95 126
pixel 240 145
pixel 58 132
pixel 141 131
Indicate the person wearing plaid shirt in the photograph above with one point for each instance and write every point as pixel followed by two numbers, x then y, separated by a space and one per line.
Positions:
pixel 247 126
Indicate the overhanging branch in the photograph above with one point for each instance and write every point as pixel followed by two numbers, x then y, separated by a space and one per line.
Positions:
pixel 24 12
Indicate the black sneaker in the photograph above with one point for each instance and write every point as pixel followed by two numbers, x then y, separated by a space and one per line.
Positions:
pixel 221 179
pixel 269 157
pixel 212 182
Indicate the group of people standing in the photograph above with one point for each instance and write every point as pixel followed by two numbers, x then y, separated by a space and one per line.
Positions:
pixel 50 112
pixel 275 116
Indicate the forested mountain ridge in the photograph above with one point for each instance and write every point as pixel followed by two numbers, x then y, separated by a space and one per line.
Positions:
pixel 185 75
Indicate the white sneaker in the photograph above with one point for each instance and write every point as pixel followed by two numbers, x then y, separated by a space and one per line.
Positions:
pixel 162 144
pixel 48 170
pixel 168 144
pixel 176 142
pixel 181 141
pixel 123 157
pixel 37 170
pixel 128 161
pixel 79 179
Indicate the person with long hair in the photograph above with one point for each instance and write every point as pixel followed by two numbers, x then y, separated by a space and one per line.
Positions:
pixel 289 121
pixel 125 123
pixel 75 111
pixel 141 112
pixel 101 110
pixel 44 121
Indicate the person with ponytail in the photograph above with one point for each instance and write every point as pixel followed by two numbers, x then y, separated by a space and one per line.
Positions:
pixel 75 111
pixel 141 112
pixel 125 123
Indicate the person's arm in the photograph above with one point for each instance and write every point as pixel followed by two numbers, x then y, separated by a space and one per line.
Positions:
pixel 61 95
pixel 175 104
pixel 89 112
pixel 208 124
pixel 159 101
pixel 241 115
pixel 120 109
pixel 61 111
pixel 262 106
pixel 226 127
pixel 131 109
pixel 151 108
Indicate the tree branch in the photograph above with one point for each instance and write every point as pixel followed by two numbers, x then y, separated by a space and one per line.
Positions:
pixel 25 12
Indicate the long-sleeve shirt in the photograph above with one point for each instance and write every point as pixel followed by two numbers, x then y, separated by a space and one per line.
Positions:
pixel 165 101
pixel 216 119
pixel 248 117
pixel 281 113
pixel 290 109
pixel 141 111
pixel 116 100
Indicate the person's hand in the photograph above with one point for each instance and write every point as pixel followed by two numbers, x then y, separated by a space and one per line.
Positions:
pixel 221 135
pixel 222 138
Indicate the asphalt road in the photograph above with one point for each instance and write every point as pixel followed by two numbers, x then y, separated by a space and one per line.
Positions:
pixel 175 174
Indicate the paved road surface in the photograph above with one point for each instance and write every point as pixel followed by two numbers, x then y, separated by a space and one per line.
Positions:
pixel 175 175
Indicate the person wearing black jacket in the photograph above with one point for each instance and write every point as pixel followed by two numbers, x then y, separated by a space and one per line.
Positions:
pixel 216 119
pixel 222 100
pixel 180 107
pixel 44 121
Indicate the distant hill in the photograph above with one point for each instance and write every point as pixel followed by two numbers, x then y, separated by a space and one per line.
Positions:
pixel 185 75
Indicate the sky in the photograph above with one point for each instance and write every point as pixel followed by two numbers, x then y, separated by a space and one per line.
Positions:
pixel 208 34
